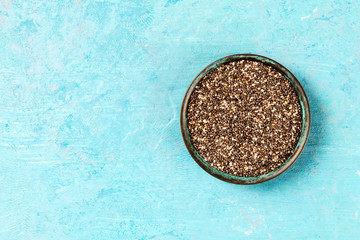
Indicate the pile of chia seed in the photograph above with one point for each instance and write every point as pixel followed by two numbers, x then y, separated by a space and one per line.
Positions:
pixel 244 118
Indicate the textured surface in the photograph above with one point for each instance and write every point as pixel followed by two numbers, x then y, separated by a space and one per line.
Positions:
pixel 90 141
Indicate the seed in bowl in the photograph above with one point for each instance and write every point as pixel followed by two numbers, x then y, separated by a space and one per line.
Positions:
pixel 244 118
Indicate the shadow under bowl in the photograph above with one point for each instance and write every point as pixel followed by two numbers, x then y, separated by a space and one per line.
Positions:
pixel 305 129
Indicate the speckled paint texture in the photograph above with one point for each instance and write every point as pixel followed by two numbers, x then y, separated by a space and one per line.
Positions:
pixel 90 96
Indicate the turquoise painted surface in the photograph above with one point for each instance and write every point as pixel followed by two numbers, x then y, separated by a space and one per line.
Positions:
pixel 90 143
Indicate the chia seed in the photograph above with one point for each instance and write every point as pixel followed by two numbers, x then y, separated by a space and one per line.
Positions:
pixel 244 118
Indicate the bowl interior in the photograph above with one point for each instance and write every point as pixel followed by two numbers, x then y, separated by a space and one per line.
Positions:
pixel 304 130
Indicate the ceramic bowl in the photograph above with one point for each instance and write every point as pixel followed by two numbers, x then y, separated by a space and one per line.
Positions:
pixel 305 130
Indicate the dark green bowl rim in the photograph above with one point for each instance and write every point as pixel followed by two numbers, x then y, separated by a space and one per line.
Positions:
pixel 305 130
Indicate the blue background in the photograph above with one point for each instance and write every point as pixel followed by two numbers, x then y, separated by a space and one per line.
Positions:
pixel 90 143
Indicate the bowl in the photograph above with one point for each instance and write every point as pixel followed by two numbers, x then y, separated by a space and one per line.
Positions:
pixel 305 129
